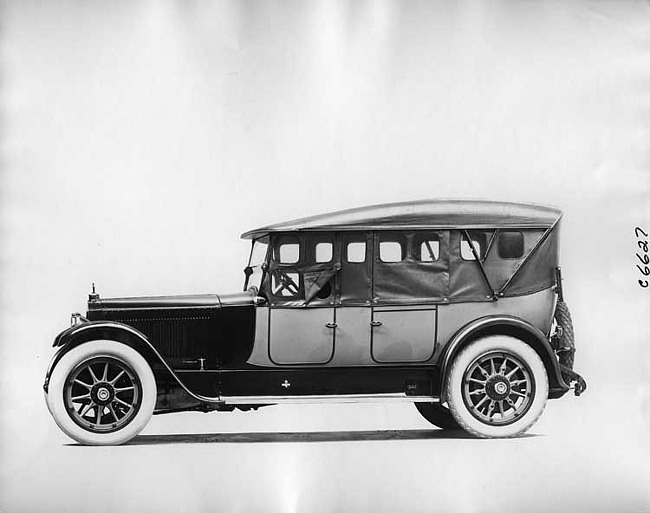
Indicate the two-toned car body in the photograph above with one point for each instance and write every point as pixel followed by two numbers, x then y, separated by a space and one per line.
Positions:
pixel 448 304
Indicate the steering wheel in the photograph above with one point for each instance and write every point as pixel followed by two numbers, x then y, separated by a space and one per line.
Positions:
pixel 286 283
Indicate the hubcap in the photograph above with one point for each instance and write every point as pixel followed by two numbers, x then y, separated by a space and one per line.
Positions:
pixel 102 394
pixel 498 388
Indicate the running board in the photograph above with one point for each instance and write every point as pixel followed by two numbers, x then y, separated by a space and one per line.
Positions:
pixel 320 399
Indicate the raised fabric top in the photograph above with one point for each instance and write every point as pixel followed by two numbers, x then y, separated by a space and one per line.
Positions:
pixel 425 214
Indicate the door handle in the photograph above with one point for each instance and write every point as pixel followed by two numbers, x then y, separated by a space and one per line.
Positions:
pixel 331 325
pixel 375 323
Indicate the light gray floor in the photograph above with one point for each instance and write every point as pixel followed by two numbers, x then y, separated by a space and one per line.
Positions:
pixel 371 457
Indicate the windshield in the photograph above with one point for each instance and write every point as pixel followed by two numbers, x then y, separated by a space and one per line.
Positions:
pixel 257 258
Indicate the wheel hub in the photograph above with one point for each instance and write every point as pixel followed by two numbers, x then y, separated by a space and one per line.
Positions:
pixel 497 388
pixel 102 393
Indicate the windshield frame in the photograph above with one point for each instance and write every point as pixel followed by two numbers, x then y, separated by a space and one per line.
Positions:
pixel 263 265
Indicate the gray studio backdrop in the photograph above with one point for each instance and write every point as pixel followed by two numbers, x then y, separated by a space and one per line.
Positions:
pixel 141 138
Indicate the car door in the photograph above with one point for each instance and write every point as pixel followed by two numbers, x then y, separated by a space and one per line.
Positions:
pixel 409 280
pixel 302 317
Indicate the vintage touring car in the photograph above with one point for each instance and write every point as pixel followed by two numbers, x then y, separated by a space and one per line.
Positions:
pixel 453 305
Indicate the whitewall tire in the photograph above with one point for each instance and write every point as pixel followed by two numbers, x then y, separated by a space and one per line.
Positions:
pixel 497 387
pixel 102 393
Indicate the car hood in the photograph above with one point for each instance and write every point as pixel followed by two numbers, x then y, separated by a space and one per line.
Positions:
pixel 183 301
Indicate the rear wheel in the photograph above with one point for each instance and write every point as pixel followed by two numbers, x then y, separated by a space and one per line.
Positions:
pixel 102 393
pixel 438 414
pixel 497 387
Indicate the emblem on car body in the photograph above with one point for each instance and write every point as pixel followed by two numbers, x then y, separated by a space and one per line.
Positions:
pixel 286 384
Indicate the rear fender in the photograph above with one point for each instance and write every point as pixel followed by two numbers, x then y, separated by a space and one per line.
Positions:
pixel 513 327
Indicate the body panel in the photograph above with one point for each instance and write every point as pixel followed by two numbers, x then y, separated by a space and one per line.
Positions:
pixel 165 302
pixel 402 335
pixel 205 334
pixel 353 330
pixel 301 335
pixel 353 333
pixel 536 309
pixel 155 302
pixel 305 381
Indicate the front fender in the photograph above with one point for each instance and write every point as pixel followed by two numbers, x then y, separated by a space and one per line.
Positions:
pixel 112 330
pixel 73 333
pixel 77 334
pixel 511 326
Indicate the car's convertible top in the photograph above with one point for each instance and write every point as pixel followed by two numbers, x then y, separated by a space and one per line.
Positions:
pixel 425 214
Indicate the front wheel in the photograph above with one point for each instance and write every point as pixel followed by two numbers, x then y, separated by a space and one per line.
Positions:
pixel 102 393
pixel 497 387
